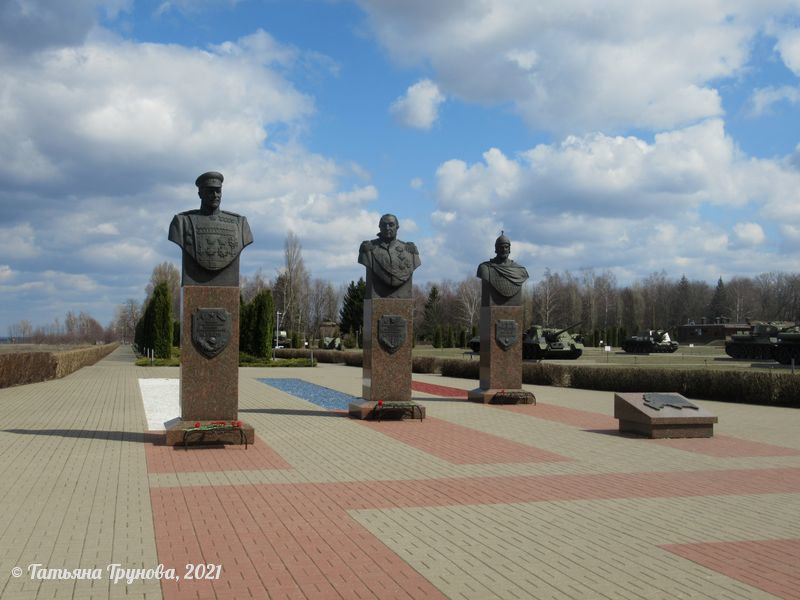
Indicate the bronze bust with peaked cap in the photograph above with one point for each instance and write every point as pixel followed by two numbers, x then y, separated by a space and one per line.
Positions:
pixel 211 239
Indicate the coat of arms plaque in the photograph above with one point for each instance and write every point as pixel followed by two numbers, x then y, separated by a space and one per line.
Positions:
pixel 211 330
pixel 506 333
pixel 392 332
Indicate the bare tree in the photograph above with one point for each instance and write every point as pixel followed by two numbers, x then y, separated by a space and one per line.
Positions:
pixel 468 295
pixel 125 318
pixel 546 295
pixel 323 304
pixel 170 274
pixel 250 286
pixel 290 289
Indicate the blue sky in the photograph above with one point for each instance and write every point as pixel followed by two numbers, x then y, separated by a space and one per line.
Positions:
pixel 623 136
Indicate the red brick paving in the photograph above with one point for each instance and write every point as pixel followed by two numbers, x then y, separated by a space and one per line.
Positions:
pixel 174 459
pixel 274 542
pixel 723 446
pixel 438 390
pixel 297 540
pixel 460 445
pixel 719 446
pixel 770 565
pixel 561 414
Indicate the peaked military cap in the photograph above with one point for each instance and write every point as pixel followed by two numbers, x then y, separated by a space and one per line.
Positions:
pixel 209 179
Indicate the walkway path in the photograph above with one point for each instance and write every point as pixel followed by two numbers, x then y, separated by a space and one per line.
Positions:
pixel 476 502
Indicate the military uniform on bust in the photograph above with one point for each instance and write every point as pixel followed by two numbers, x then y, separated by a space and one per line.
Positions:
pixel 390 262
pixel 211 239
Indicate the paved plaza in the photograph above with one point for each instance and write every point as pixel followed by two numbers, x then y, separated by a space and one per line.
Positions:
pixel 475 502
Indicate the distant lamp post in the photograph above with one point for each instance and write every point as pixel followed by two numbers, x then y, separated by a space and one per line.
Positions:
pixel 278 315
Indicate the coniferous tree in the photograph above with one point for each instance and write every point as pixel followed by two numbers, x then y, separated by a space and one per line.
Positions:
pixel 718 307
pixel 448 341
pixel 261 312
pixel 351 316
pixel 437 336
pixel 432 316
pixel 245 325
pixel 162 321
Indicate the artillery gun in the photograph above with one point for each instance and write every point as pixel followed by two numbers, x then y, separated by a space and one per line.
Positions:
pixel 651 341
pixel 545 342
pixel 759 343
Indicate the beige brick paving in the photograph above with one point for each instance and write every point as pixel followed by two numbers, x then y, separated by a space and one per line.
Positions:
pixel 582 548
pixel 76 490
pixel 76 493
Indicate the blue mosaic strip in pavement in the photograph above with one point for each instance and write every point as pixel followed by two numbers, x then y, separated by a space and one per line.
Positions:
pixel 319 395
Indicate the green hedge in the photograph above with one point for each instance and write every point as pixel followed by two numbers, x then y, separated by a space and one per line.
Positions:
pixel 17 368
pixel 777 389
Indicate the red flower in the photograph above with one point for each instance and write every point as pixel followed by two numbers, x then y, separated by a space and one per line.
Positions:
pixel 380 402
pixel 197 423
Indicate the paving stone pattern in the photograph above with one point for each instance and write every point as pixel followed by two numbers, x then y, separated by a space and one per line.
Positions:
pixel 476 502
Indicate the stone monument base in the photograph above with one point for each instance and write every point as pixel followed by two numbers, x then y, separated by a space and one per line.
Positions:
pixel 369 409
pixel 386 371
pixel 501 396
pixel 177 434
pixel 635 416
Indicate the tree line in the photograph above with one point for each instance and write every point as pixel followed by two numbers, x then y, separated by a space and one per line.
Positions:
pixel 447 312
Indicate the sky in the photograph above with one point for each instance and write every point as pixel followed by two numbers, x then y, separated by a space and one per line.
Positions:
pixel 622 136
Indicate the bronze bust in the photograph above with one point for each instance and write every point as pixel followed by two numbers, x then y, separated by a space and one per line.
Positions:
pixel 211 239
pixel 389 261
pixel 503 276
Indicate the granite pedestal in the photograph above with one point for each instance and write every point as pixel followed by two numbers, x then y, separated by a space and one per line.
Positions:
pixel 637 416
pixel 500 368
pixel 209 388
pixel 387 366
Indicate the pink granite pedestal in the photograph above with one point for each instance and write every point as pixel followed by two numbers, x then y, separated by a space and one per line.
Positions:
pixel 386 371
pixel 209 388
pixel 500 370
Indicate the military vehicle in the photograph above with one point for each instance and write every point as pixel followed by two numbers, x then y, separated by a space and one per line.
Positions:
pixel 758 343
pixel 651 341
pixel 544 342
pixel 788 345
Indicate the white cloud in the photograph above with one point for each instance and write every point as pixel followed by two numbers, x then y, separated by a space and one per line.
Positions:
pixel 749 234
pixel 416 183
pixel 573 66
pixel 74 116
pixel 620 203
pixel 19 241
pixel 5 272
pixel 788 47
pixel 763 99
pixel 419 108
pixel 105 229
pixel 100 143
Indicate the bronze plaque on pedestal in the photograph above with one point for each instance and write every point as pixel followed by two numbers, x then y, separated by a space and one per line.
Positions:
pixel 211 330
pixel 392 332
pixel 506 333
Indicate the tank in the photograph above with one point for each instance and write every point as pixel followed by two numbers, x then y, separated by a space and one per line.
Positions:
pixel 756 344
pixel 651 341
pixel 787 347
pixel 542 342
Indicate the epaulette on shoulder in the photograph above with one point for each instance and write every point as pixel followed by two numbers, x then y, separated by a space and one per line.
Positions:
pixel 366 245
pixel 412 247
pixel 231 214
